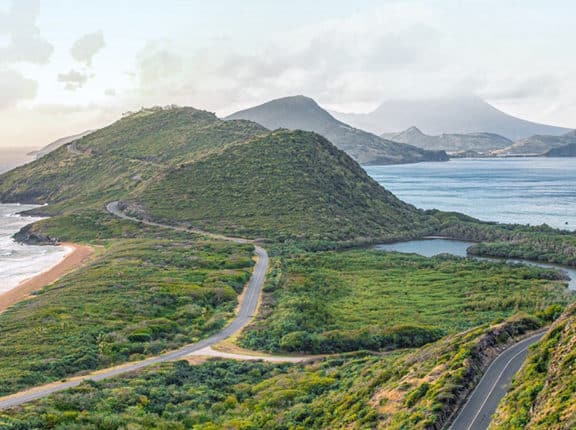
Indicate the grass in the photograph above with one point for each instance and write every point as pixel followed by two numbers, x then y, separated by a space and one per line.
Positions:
pixel 355 391
pixel 282 186
pixel 344 301
pixel 118 160
pixel 139 298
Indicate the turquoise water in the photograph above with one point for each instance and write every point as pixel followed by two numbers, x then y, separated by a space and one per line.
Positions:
pixel 513 190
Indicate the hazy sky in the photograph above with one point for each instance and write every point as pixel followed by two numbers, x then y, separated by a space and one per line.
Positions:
pixel 67 66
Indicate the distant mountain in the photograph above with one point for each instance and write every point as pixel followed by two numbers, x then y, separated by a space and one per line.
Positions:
pixel 562 151
pixel 446 115
pixel 538 144
pixel 453 143
pixel 303 113
pixel 58 143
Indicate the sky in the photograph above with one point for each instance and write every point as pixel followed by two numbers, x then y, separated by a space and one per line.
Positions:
pixel 69 66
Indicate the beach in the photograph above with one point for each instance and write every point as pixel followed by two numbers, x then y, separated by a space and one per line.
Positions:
pixel 76 256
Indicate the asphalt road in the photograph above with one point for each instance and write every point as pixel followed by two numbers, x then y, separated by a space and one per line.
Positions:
pixel 476 414
pixel 247 309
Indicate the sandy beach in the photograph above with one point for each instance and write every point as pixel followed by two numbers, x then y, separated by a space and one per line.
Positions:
pixel 79 255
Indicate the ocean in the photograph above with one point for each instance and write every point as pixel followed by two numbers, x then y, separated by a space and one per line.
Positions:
pixel 510 190
pixel 19 262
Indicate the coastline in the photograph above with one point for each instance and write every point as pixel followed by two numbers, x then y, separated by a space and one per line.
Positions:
pixel 78 255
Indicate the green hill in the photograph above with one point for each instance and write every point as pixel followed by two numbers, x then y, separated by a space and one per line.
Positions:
pixel 186 165
pixel 118 159
pixel 285 185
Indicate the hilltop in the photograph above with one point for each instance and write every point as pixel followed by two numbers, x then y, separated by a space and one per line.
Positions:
pixel 453 143
pixel 284 185
pixel 116 160
pixel 303 113
pixel 463 114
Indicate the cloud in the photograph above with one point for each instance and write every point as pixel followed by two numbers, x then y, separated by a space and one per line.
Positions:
pixel 358 57
pixel 73 80
pixel 24 41
pixel 23 44
pixel 14 87
pixel 519 88
pixel 87 46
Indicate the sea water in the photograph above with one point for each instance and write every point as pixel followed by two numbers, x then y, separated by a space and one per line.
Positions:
pixel 512 190
pixel 18 261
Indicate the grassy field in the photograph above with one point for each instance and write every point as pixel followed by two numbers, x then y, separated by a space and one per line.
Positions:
pixel 139 298
pixel 345 301
pixel 409 390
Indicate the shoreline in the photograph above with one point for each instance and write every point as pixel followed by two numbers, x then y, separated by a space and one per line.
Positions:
pixel 74 259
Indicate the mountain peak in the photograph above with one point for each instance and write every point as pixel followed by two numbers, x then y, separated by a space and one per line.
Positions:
pixel 303 113
pixel 414 131
pixel 448 115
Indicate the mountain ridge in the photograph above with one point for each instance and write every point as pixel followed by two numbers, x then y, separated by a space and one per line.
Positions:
pixel 459 114
pixel 453 143
pixel 188 166
pixel 303 113
pixel 538 144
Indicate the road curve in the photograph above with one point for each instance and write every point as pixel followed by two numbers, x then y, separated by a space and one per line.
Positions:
pixel 476 414
pixel 247 309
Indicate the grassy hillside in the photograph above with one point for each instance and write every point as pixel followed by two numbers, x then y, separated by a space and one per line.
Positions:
pixel 543 395
pixel 138 298
pixel 413 390
pixel 303 113
pixel 346 301
pixel 285 185
pixel 185 165
pixel 119 159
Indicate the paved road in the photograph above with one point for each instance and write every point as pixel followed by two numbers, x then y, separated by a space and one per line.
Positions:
pixel 476 414
pixel 247 309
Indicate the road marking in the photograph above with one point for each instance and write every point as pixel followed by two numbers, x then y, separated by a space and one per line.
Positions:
pixel 493 386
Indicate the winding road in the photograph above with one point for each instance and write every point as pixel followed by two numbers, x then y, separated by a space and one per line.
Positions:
pixel 476 414
pixel 247 309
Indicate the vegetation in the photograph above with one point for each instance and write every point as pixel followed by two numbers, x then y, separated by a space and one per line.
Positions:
pixel 543 396
pixel 416 390
pixel 92 226
pixel 185 165
pixel 541 243
pixel 121 158
pixel 286 185
pixel 345 301
pixel 139 298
